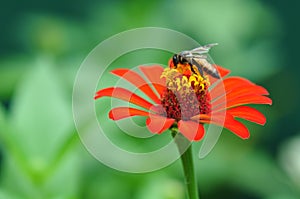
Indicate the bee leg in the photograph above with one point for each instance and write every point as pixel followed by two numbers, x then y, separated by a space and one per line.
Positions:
pixel 192 68
pixel 199 67
pixel 200 71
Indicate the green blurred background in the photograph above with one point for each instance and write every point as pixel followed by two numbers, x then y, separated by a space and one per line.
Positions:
pixel 42 45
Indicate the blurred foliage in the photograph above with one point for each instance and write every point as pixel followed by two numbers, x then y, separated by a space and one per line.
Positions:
pixel 42 45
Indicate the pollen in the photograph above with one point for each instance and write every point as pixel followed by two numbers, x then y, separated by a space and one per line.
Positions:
pixel 186 95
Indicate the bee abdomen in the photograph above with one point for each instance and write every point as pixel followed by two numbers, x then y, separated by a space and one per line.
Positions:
pixel 209 69
pixel 212 71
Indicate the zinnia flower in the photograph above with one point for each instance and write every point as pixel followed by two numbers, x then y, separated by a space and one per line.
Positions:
pixel 188 100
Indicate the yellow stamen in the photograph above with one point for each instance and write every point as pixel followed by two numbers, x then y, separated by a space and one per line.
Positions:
pixel 178 81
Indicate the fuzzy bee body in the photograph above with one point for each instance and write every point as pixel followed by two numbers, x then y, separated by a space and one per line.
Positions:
pixel 197 58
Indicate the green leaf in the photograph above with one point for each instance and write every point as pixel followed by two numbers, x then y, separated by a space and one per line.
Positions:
pixel 38 158
pixel 41 115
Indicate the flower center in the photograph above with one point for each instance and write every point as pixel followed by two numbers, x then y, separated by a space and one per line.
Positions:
pixel 186 94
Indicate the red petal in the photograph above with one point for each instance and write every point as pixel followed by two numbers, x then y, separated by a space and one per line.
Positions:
pixel 227 121
pixel 125 95
pixel 239 92
pixel 191 130
pixel 229 84
pixel 217 118
pixel 231 124
pixel 236 127
pixel 222 71
pixel 158 124
pixel 153 73
pixel 248 113
pixel 238 101
pixel 124 112
pixel 201 117
pixel 135 79
pixel 255 89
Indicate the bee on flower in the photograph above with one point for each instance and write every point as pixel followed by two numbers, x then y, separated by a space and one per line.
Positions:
pixel 189 93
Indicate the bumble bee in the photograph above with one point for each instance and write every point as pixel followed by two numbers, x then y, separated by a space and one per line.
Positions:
pixel 197 58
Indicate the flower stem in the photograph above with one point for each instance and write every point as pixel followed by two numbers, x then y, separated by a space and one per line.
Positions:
pixel 185 148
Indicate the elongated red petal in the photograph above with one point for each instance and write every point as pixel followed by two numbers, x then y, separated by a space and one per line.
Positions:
pixel 229 123
pixel 239 92
pixel 153 73
pixel 217 118
pixel 200 117
pixel 229 84
pixel 238 101
pixel 254 89
pixel 124 112
pixel 123 94
pixel 135 79
pixel 248 113
pixel 158 124
pixel 236 127
pixel 191 130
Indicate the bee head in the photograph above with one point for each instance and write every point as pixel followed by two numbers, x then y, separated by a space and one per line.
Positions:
pixel 175 59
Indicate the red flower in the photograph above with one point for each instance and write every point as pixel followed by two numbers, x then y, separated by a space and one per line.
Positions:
pixel 187 100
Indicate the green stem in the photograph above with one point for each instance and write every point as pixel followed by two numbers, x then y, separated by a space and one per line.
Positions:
pixel 189 173
pixel 185 148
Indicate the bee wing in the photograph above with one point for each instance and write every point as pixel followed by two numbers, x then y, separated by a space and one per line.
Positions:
pixel 196 56
pixel 203 49
pixel 197 51
pixel 202 60
pixel 189 54
pixel 208 46
pixel 186 54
